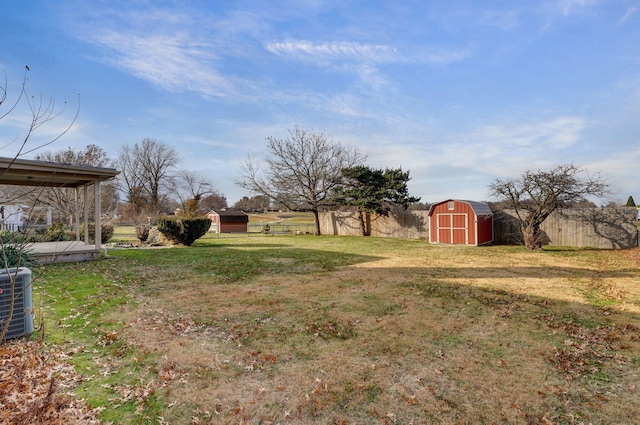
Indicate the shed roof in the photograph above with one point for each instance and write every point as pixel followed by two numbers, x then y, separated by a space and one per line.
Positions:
pixel 27 172
pixel 231 216
pixel 479 208
pixel 228 212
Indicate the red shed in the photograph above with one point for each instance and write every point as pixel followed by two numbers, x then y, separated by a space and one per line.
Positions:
pixel 460 222
pixel 228 221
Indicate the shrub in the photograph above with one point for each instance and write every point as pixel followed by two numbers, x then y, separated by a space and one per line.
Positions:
pixel 184 231
pixel 142 232
pixel 7 237
pixel 16 256
pixel 55 232
pixel 29 235
pixel 106 232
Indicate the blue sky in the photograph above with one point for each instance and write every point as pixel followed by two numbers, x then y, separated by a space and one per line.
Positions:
pixel 457 92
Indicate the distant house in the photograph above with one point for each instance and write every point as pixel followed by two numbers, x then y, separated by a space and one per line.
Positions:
pixel 460 222
pixel 228 221
pixel 14 216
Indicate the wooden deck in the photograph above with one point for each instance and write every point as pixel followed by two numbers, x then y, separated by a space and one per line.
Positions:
pixel 63 252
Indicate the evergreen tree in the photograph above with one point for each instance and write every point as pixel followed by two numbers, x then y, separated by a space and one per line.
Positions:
pixel 630 202
pixel 373 191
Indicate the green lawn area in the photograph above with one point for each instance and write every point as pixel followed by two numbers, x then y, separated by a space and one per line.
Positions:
pixel 282 217
pixel 304 329
pixel 124 234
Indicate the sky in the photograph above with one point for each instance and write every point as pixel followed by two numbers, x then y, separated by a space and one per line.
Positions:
pixel 457 92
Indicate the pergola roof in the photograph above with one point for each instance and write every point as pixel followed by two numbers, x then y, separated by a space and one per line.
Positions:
pixel 40 173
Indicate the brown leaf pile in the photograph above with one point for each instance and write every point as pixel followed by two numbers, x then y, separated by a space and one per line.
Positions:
pixel 32 385
pixel 632 254
pixel 589 348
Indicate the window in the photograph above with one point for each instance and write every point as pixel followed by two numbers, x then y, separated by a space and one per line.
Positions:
pixel 450 205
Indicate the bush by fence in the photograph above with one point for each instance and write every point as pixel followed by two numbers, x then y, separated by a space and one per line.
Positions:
pixel 184 231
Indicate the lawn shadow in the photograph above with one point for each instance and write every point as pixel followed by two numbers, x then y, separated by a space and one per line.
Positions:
pixel 542 272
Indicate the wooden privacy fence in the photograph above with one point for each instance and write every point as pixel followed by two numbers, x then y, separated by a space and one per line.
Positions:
pixel 609 228
pixel 400 224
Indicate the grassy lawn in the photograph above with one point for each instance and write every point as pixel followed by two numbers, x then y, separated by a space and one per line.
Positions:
pixel 341 330
pixel 124 234
pixel 282 217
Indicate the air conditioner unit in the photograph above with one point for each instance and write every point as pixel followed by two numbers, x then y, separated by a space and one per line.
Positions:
pixel 22 318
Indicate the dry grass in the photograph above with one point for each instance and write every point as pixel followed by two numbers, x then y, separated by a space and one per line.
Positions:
pixel 415 334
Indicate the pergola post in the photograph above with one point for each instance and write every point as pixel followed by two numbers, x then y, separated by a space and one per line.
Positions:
pixel 98 224
pixel 77 214
pixel 86 214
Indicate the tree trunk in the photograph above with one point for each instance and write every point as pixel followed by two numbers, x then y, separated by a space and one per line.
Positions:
pixel 316 217
pixel 532 236
pixel 363 224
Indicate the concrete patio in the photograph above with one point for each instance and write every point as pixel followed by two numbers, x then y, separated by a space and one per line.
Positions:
pixel 63 252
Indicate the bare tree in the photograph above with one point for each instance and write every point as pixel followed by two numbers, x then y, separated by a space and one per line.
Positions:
pixel 213 201
pixel 301 171
pixel 130 182
pixel 61 200
pixel 147 170
pixel 537 193
pixel 190 189
pixel 41 112
pixel 253 204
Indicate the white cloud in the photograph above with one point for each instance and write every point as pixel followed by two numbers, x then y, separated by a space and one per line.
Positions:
pixel 329 51
pixel 553 134
pixel 365 61
pixel 619 169
pixel 441 55
pixel 177 50
pixel 326 52
pixel 173 62
pixel 570 6
pixel 503 19
pixel 512 148
pixel 493 149
pixel 630 11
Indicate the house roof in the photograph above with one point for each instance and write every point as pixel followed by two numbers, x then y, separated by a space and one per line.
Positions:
pixel 26 172
pixel 479 208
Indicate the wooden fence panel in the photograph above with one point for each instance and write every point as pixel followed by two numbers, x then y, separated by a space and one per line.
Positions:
pixel 608 228
pixel 400 224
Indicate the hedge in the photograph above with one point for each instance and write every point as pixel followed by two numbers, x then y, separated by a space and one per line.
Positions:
pixel 183 231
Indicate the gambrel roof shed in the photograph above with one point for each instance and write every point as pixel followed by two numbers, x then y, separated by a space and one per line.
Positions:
pixel 460 222
pixel 226 221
